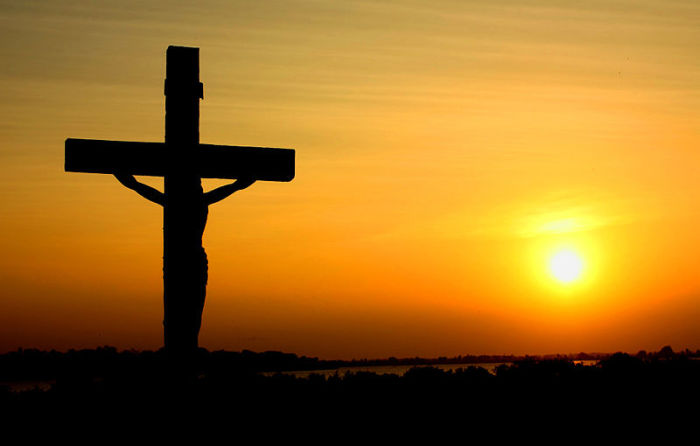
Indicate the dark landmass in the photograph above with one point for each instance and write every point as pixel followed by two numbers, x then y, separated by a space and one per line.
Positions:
pixel 38 365
pixel 128 382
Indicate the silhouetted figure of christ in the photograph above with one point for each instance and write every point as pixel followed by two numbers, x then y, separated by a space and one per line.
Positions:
pixel 193 269
pixel 182 162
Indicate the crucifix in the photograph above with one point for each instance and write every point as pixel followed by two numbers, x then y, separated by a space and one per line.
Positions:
pixel 183 162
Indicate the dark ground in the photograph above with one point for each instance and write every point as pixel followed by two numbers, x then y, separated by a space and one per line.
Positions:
pixel 642 390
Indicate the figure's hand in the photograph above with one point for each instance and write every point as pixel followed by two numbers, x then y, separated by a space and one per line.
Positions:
pixel 242 183
pixel 126 179
pixel 147 192
pixel 218 194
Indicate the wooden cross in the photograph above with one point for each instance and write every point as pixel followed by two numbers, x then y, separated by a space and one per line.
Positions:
pixel 182 161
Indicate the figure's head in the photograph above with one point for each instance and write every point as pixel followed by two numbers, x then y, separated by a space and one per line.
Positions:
pixel 187 183
pixel 197 183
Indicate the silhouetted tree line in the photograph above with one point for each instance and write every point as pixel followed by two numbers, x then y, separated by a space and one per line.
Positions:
pixel 106 378
pixel 35 365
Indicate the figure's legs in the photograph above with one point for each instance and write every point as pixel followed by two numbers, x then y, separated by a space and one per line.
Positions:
pixel 185 301
pixel 201 291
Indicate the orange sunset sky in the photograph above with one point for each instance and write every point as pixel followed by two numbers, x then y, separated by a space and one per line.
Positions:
pixel 447 151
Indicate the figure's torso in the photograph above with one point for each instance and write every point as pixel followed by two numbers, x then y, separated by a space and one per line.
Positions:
pixel 186 219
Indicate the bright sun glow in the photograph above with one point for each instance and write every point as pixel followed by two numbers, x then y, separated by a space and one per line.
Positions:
pixel 566 266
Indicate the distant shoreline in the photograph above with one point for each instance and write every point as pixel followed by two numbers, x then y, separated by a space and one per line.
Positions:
pixel 33 365
pixel 103 380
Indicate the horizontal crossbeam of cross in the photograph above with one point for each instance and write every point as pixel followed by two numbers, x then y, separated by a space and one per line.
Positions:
pixel 152 159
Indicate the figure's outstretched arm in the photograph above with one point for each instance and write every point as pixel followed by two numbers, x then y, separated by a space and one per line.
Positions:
pixel 222 192
pixel 145 191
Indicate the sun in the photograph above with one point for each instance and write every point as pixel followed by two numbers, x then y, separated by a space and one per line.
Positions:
pixel 566 266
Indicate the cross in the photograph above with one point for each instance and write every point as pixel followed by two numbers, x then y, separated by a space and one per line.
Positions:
pixel 182 161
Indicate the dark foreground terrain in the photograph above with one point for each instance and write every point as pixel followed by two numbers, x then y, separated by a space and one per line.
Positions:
pixel 230 385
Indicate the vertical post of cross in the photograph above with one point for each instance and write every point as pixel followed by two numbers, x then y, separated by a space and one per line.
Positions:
pixel 182 187
pixel 183 162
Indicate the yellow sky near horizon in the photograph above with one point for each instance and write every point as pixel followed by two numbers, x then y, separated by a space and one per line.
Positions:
pixel 445 150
